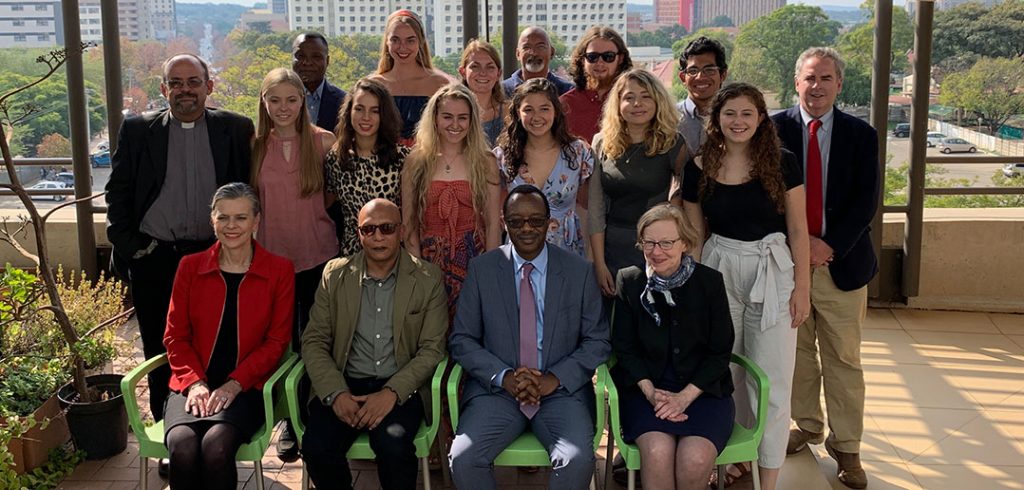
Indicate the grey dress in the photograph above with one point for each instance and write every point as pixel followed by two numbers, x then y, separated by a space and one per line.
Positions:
pixel 621 192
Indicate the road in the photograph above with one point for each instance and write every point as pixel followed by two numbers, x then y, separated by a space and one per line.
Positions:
pixel 99 180
pixel 979 174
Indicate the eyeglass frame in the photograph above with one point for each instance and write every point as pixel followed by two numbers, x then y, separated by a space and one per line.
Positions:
pixel 707 71
pixel 178 84
pixel 534 222
pixel 373 229
pixel 606 56
pixel 648 245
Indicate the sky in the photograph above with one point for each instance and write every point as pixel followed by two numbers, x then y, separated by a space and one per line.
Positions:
pixel 844 3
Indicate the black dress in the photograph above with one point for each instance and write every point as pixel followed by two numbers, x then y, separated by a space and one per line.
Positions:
pixel 246 411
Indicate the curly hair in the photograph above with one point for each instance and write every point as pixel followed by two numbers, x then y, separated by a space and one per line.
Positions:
pixel 579 75
pixel 388 130
pixel 661 131
pixel 512 140
pixel 764 148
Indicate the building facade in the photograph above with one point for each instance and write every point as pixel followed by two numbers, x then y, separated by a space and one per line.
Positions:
pixel 345 17
pixel 30 24
pixel 739 11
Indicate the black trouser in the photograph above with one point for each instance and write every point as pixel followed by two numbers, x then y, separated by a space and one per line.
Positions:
pixel 327 439
pixel 306 284
pixel 152 279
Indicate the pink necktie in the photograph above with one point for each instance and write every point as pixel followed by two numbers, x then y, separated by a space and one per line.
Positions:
pixel 815 208
pixel 527 330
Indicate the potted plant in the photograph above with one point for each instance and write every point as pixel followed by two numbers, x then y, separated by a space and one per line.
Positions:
pixel 94 408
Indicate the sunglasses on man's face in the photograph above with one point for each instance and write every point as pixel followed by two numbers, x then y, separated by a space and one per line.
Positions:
pixel 385 229
pixel 607 56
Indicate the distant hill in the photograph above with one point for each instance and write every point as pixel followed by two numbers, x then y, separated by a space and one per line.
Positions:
pixel 845 15
pixel 222 16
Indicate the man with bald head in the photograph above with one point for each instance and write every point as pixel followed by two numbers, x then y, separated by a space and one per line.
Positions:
pixel 166 167
pixel 389 313
pixel 534 52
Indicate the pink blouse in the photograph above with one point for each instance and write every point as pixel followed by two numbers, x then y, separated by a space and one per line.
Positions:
pixel 295 227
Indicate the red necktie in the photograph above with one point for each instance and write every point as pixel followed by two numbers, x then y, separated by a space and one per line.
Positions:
pixel 815 206
pixel 527 330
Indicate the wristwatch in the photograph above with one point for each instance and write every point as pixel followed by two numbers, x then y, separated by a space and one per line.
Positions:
pixel 329 399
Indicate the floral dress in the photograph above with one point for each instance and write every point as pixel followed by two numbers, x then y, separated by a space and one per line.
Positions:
pixel 451 235
pixel 363 180
pixel 573 167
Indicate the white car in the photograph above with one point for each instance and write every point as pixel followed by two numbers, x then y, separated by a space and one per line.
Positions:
pixel 1011 170
pixel 951 145
pixel 933 138
pixel 48 185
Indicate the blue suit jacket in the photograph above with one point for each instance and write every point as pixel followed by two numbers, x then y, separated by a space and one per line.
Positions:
pixel 485 336
pixel 851 193
pixel 330 103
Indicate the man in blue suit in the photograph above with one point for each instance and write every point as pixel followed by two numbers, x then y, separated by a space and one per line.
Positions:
pixel 529 333
pixel 840 156
pixel 310 59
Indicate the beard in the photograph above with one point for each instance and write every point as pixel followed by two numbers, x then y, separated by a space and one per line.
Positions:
pixel 534 64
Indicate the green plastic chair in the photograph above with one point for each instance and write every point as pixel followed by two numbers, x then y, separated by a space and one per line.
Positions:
pixel 151 438
pixel 361 447
pixel 525 450
pixel 743 442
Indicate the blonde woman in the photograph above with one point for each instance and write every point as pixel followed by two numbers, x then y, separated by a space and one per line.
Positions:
pixel 450 188
pixel 288 171
pixel 480 69
pixel 638 158
pixel 405 68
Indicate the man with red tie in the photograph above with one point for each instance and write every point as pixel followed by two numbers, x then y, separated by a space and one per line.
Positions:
pixel 529 333
pixel 840 156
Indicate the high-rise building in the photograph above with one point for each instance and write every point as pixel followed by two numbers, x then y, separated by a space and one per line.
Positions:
pixel 164 19
pixel 343 17
pixel 279 6
pixel 90 21
pixel 675 12
pixel 139 19
pixel 739 11
pixel 31 24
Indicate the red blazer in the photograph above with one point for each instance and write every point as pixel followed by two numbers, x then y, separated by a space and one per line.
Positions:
pixel 266 302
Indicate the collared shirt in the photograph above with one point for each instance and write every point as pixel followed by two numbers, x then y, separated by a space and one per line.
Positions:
pixel 182 209
pixel 313 101
pixel 824 144
pixel 691 126
pixel 538 281
pixel 372 353
pixel 510 83
pixel 583 109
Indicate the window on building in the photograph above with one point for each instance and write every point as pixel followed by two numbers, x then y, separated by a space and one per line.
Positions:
pixel 16 8
pixel 321 19
pixel 309 18
pixel 298 9
pixel 320 9
pixel 43 37
pixel 42 22
pixel 18 23
pixel 298 19
pixel 309 8
pixel 41 8
pixel 20 39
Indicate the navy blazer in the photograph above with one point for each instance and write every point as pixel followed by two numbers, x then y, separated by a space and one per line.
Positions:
pixel 139 165
pixel 485 336
pixel 330 103
pixel 852 192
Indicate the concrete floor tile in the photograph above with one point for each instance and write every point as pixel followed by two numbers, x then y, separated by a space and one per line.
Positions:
pixel 882 475
pixel 912 430
pixel 945 321
pixel 889 348
pixel 968 476
pixel 84 485
pixel 1008 323
pixel 985 440
pixel 913 385
pixel 974 348
pixel 881 319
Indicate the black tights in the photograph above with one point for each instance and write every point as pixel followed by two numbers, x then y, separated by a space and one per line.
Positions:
pixel 203 456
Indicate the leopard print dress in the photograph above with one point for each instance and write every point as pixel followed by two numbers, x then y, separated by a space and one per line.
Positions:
pixel 365 180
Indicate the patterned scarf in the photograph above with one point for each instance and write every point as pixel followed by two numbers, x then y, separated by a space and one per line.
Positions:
pixel 664 285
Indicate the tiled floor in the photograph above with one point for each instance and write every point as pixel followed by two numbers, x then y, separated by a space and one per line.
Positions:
pixel 944 410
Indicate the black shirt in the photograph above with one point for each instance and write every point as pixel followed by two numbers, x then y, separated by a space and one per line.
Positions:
pixel 224 358
pixel 741 211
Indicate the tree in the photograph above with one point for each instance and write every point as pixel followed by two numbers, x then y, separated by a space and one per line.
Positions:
pixel 562 52
pixel 722 36
pixel 857 48
pixel 721 21
pixel 767 48
pixel 663 37
pixel 991 89
pixel 49 103
pixel 973 29
pixel 54 146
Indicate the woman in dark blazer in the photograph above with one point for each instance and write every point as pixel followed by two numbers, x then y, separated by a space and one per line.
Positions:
pixel 672 336
pixel 229 322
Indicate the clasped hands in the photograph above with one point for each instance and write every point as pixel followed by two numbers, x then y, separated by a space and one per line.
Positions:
pixel 364 411
pixel 201 402
pixel 529 385
pixel 668 405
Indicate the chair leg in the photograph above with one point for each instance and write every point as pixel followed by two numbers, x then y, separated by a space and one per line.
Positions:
pixel 259 475
pixel 593 482
pixel 721 477
pixel 143 473
pixel 757 475
pixel 631 480
pixel 608 459
pixel 305 477
pixel 425 463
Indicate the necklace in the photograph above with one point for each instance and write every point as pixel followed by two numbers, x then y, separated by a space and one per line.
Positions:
pixel 448 162
pixel 632 153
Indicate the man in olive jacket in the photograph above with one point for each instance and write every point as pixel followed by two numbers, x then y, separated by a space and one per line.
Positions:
pixel 375 336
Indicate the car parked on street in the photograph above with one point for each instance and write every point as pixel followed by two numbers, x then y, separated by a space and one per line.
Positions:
pixel 902 130
pixel 1011 170
pixel 48 185
pixel 955 145
pixel 100 159
pixel 933 138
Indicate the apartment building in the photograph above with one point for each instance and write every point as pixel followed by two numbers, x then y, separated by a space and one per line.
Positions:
pixel 30 24
pixel 344 17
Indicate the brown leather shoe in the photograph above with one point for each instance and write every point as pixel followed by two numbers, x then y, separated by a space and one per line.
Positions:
pixel 850 472
pixel 799 439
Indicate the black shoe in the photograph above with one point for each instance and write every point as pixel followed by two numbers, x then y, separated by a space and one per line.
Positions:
pixel 163 467
pixel 287 447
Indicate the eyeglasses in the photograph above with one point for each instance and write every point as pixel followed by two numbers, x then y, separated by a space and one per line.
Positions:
pixel 648 245
pixel 385 229
pixel 175 84
pixel 707 71
pixel 517 223
pixel 607 56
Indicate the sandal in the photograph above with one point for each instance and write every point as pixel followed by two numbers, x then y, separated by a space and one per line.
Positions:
pixel 734 473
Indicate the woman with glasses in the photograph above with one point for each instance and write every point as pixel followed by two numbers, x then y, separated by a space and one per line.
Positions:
pixel 751 193
pixel 406 70
pixel 451 194
pixel 672 337
pixel 537 149
pixel 597 61
pixel 365 162
pixel 480 69
pixel 638 156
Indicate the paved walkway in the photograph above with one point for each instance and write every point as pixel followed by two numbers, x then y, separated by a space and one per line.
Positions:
pixel 945 410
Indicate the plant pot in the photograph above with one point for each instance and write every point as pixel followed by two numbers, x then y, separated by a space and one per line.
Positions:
pixel 32 449
pixel 99 428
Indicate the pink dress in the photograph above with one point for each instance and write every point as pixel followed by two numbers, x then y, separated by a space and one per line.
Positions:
pixel 295 227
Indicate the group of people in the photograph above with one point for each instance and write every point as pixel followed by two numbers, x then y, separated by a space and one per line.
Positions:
pixel 531 228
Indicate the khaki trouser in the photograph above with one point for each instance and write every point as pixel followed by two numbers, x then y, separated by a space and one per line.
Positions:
pixel 833 331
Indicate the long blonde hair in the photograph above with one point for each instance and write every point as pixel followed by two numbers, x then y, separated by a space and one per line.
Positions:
pixel 661 132
pixel 422 163
pixel 410 19
pixel 497 91
pixel 311 163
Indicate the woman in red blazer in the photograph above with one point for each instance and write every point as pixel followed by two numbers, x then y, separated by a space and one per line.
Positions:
pixel 229 322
